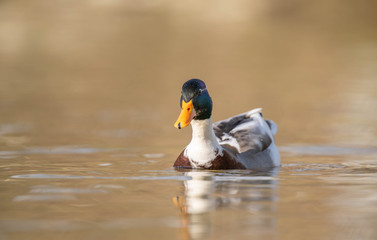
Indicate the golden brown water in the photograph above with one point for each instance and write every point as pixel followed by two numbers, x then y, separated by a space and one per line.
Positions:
pixel 89 93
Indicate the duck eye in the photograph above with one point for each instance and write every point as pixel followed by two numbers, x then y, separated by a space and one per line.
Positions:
pixel 201 90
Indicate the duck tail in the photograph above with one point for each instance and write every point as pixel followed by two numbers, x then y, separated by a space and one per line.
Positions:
pixel 273 126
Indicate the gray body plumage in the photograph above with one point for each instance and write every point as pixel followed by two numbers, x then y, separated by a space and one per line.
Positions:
pixel 250 139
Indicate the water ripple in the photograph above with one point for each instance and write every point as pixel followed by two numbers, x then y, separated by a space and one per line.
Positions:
pixel 38 198
pixel 61 176
pixel 326 150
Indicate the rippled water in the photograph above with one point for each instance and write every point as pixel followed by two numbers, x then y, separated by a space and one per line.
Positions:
pixel 97 193
pixel 89 93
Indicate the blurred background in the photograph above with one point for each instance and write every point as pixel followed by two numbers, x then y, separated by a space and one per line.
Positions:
pixel 109 72
pixel 89 93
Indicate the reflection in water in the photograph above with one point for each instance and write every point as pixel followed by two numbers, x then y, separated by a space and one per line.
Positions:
pixel 206 191
pixel 196 203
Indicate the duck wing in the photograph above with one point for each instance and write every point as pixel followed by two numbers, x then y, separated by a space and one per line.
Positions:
pixel 247 132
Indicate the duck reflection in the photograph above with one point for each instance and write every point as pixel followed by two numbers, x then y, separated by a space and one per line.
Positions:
pixel 206 192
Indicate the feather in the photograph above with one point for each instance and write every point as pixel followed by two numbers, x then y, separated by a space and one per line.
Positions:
pixel 247 132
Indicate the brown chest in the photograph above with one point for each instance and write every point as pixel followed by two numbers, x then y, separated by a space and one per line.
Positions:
pixel 226 161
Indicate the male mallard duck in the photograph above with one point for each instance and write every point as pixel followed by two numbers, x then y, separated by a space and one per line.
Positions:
pixel 245 141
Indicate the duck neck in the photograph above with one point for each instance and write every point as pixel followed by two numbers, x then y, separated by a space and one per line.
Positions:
pixel 204 146
pixel 203 130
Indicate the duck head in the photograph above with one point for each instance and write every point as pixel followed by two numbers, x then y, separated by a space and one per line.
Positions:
pixel 195 103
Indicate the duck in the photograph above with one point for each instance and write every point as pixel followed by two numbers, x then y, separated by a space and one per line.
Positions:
pixel 244 141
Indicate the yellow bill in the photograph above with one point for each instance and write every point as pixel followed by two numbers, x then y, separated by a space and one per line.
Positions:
pixel 187 113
